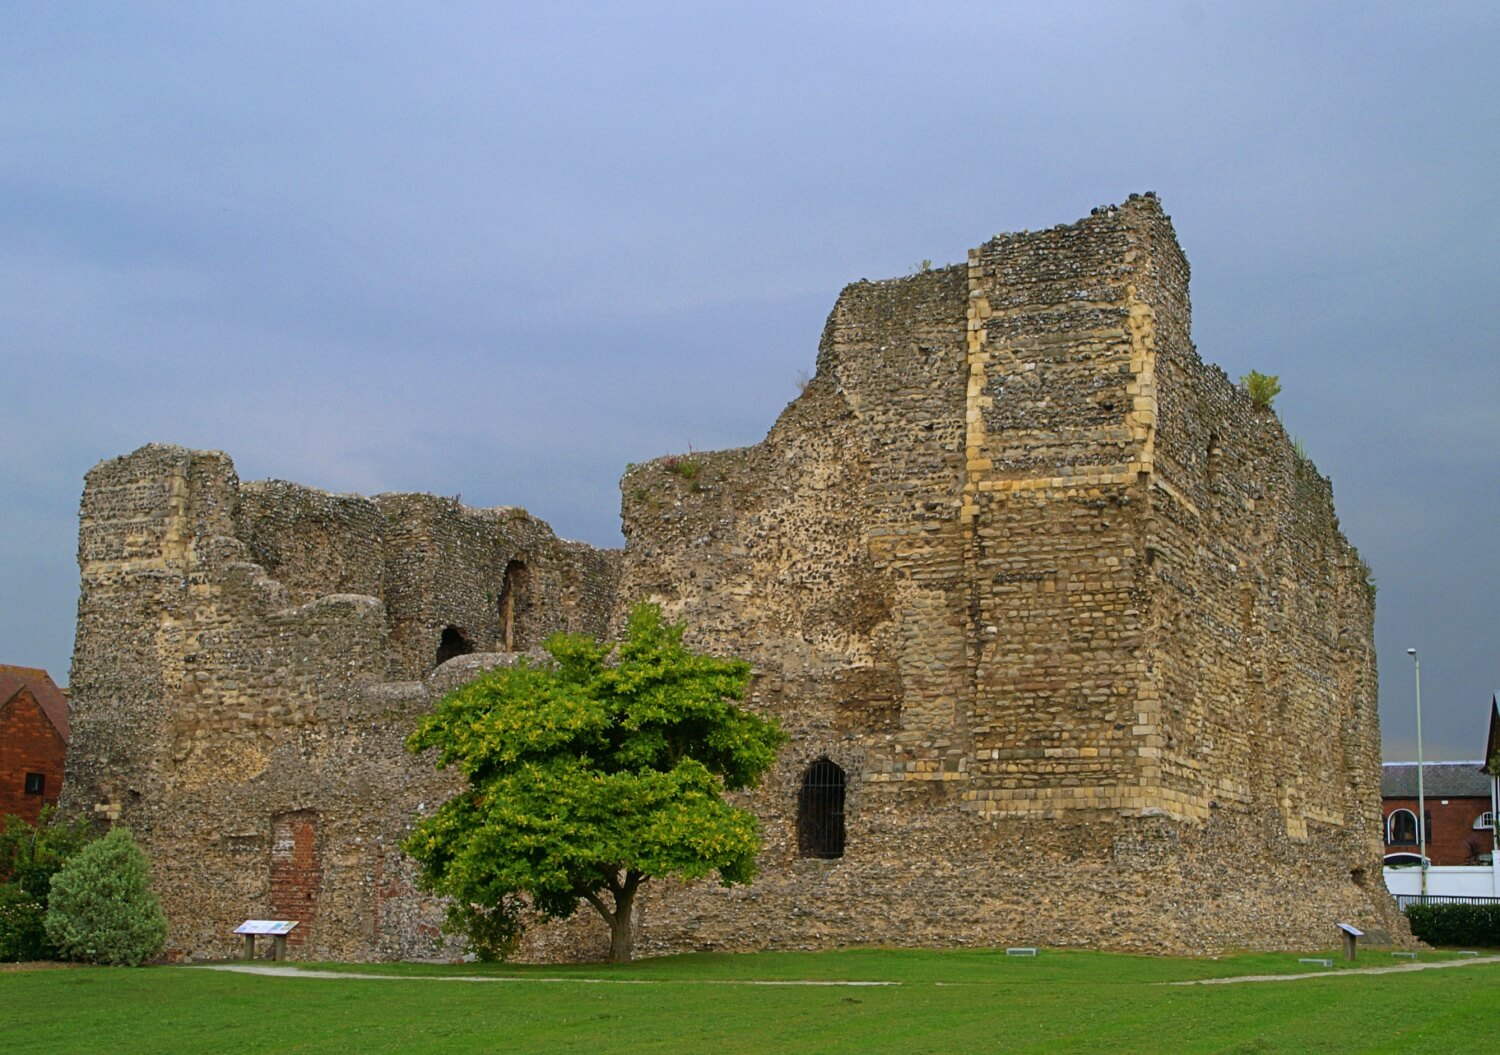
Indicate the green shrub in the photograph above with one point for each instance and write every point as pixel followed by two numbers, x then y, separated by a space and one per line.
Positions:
pixel 30 855
pixel 22 935
pixel 1456 924
pixel 492 931
pixel 101 909
pixel 1263 388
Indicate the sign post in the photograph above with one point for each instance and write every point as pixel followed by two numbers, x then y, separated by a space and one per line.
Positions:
pixel 274 928
pixel 1351 935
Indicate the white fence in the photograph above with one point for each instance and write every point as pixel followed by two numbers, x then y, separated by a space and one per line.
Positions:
pixel 1445 880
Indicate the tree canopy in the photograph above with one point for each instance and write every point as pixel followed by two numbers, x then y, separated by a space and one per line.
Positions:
pixel 587 776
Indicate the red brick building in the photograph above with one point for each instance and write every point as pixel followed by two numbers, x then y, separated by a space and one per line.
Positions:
pixel 33 740
pixel 1460 810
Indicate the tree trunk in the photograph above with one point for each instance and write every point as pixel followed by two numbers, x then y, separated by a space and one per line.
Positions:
pixel 621 938
pixel 620 935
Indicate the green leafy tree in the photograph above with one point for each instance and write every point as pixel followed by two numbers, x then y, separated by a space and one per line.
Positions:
pixel 1263 388
pixel 588 776
pixel 30 855
pixel 101 909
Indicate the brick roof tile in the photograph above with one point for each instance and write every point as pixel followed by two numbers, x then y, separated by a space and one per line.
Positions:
pixel 43 689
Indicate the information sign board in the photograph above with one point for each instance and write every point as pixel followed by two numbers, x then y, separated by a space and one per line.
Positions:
pixel 265 926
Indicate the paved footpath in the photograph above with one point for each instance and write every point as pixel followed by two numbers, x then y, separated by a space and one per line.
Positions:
pixel 287 971
pixel 297 972
pixel 1399 968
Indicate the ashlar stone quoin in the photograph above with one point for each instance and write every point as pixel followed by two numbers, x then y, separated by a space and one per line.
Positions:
pixel 1067 639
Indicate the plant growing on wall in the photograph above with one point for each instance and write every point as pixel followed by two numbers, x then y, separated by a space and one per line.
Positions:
pixel 586 778
pixel 686 467
pixel 1367 578
pixel 1263 388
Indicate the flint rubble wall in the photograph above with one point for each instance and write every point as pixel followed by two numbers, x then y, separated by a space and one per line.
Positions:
pixel 1073 615
pixel 1071 612
pixel 249 661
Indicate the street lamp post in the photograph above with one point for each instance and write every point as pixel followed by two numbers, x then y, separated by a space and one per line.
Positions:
pixel 1421 796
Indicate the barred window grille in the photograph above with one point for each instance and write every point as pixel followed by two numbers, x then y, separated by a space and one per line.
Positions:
pixel 820 811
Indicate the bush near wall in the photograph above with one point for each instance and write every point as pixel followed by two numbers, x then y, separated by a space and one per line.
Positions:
pixel 101 909
pixel 22 936
pixel 1456 924
pixel 30 855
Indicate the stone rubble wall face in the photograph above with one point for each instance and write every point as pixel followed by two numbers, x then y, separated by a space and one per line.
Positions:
pixel 247 653
pixel 1273 710
pixel 1051 517
pixel 1072 615
pixel 311 542
pixel 981 565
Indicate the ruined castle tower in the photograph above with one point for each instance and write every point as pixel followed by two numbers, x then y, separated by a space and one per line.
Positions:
pixel 1068 642
pixel 249 660
pixel 1063 627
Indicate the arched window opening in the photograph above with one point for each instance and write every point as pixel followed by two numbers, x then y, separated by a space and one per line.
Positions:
pixel 820 811
pixel 1484 821
pixel 452 643
pixel 515 608
pixel 1401 828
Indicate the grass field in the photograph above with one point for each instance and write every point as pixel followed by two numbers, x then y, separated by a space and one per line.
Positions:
pixel 945 1001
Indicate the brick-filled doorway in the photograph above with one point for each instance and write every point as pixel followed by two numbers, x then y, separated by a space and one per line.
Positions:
pixel 296 871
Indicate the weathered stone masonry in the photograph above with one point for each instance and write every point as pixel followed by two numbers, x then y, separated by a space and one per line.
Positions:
pixel 249 660
pixel 1070 613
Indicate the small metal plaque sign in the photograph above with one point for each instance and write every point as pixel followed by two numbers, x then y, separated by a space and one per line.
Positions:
pixel 1351 930
pixel 266 926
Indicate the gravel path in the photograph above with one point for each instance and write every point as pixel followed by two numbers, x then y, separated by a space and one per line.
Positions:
pixel 297 972
pixel 287 971
pixel 1399 968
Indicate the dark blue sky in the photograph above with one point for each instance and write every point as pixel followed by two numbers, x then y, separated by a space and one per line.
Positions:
pixel 501 251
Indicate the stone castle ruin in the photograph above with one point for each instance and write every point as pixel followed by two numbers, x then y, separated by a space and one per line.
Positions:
pixel 1066 636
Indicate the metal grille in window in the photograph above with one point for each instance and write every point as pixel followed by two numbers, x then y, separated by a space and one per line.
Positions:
pixel 820 811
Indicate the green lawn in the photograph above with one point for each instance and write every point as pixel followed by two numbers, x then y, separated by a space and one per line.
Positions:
pixel 947 1001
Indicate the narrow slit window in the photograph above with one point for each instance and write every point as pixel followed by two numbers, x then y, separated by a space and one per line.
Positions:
pixel 820 811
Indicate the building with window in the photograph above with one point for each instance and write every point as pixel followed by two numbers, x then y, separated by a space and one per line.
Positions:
pixel 1460 811
pixel 1491 769
pixel 33 740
